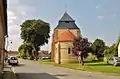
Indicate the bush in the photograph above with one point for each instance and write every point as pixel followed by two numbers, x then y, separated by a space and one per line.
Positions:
pixel 91 57
pixel 109 53
pixel 22 55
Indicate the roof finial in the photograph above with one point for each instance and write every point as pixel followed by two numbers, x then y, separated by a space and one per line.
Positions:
pixel 66 8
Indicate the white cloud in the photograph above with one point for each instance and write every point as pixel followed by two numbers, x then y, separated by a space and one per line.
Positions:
pixel 23 13
pixel 10 21
pixel 14 30
pixel 17 12
pixel 11 16
pixel 100 17
pixel 11 2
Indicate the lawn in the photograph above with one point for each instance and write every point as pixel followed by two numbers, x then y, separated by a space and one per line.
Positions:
pixel 89 66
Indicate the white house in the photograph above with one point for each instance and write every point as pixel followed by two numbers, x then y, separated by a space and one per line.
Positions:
pixel 119 50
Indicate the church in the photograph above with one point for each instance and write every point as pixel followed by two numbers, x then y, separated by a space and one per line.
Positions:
pixel 62 40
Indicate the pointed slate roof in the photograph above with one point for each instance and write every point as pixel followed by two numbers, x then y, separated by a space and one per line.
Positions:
pixel 66 22
pixel 66 17
pixel 66 36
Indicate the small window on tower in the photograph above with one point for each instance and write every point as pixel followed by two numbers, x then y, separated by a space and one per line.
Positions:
pixel 68 50
pixel 67 21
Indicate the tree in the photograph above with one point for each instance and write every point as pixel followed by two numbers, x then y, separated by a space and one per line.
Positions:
pixel 98 47
pixel 22 51
pixel 80 48
pixel 110 52
pixel 34 33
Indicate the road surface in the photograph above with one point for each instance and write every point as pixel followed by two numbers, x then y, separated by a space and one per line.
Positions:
pixel 34 70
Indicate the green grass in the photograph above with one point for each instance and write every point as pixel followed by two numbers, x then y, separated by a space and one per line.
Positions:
pixel 90 66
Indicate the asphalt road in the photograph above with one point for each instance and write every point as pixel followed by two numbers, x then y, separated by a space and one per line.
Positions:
pixel 34 70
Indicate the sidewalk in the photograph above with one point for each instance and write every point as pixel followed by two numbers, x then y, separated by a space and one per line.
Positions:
pixel 7 72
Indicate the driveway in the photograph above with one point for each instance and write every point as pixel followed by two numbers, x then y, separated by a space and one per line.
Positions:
pixel 34 70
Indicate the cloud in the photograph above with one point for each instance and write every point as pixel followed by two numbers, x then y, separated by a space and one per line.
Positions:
pixel 10 2
pixel 14 30
pixel 11 16
pixel 17 12
pixel 100 17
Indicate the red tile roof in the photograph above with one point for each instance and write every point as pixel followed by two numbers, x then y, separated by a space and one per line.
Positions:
pixel 66 36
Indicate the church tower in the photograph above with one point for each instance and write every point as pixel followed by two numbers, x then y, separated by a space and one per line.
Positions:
pixel 62 41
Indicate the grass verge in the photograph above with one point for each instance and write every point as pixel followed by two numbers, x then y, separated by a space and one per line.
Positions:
pixel 89 66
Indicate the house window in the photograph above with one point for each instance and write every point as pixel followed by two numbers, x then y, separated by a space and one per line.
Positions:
pixel 68 50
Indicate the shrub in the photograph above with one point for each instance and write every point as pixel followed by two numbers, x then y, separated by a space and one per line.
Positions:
pixel 109 53
pixel 91 57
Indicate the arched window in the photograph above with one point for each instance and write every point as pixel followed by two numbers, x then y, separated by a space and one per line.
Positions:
pixel 68 50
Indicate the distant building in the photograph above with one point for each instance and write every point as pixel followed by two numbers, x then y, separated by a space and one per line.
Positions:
pixel 43 54
pixel 12 53
pixel 3 30
pixel 62 41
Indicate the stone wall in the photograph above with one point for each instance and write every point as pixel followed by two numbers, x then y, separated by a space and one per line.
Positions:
pixel 66 56
pixel 1 35
pixel 61 53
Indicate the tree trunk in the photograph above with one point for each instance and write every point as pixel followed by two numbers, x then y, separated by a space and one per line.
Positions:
pixel 82 62
pixel 80 58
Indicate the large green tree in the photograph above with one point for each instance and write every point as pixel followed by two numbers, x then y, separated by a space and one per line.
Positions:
pixel 34 33
pixel 98 48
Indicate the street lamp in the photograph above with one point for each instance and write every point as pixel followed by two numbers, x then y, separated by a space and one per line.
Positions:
pixel 9 42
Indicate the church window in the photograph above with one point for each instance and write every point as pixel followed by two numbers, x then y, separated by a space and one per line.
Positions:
pixel 68 50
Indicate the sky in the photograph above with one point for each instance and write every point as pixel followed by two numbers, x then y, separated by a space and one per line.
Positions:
pixel 95 18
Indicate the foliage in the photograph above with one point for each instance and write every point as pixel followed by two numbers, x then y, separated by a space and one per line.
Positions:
pixel 80 47
pixel 22 51
pixel 27 50
pixel 91 57
pixel 110 52
pixel 34 33
pixel 98 48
